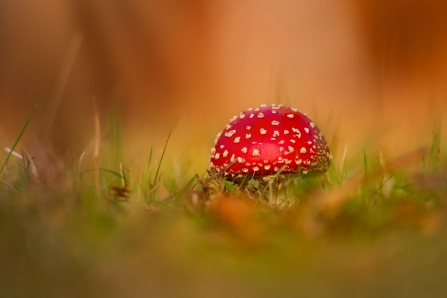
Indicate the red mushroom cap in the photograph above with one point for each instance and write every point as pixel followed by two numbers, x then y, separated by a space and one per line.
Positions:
pixel 268 139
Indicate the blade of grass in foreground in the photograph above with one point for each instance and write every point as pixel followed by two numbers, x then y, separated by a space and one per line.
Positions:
pixel 191 183
pixel 154 185
pixel 18 138
pixel 149 174
pixel 366 165
pixel 434 154
pixel 161 158
pixel 105 170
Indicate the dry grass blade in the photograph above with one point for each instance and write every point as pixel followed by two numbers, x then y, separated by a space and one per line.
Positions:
pixel 32 167
pixel 123 192
pixel 81 159
pixel 61 83
pixel 97 146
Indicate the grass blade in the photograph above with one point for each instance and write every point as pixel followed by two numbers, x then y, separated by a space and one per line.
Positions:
pixel 161 158
pixel 149 174
pixel 108 171
pixel 18 138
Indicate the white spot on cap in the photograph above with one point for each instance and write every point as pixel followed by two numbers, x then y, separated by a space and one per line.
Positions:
pixel 222 146
pixel 263 105
pixel 292 140
pixel 273 139
pixel 230 133
pixel 237 140
pixel 274 122
pixel 267 167
pixel 228 126
pixel 286 131
pixel 255 152
pixel 296 130
pixel 247 127
pixel 281 149
pixel 273 112
pixel 234 118
pixel 263 131
pixel 217 137
pixel 255 169
pixel 217 156
pixel 257 109
pixel 241 116
pixel 213 150
pixel 260 115
pixel 309 142
pixel 247 136
pixel 240 160
pixel 244 150
pixel 232 157
pixel 298 162
pixel 225 153
pixel 250 109
pixel 275 108
pixel 281 142
pixel 252 115
pixel 303 150
pixel 312 124
pixel 305 172
pixel 290 149
pixel 275 133
pixel 245 170
pixel 295 110
pixel 290 115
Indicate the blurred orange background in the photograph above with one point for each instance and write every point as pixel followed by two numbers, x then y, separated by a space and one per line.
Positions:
pixel 359 68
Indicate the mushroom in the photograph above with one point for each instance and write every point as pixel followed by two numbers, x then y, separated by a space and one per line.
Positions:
pixel 268 139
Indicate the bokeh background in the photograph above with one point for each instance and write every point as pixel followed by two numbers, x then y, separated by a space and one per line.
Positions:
pixel 370 73
pixel 360 68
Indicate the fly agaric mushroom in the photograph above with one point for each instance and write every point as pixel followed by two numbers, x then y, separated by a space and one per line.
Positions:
pixel 268 139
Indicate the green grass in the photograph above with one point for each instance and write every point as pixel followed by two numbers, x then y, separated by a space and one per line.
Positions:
pixel 374 230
